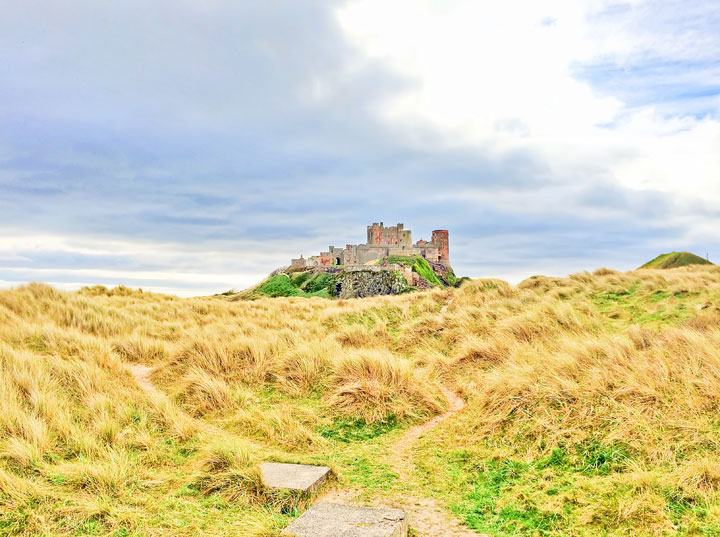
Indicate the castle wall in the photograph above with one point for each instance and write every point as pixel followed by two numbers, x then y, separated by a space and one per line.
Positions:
pixel 428 251
pixel 369 252
pixel 383 242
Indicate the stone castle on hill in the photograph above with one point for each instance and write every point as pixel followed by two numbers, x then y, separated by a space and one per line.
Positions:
pixel 383 242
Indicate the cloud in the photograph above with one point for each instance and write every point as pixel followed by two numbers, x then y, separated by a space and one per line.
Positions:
pixel 189 268
pixel 197 146
pixel 497 78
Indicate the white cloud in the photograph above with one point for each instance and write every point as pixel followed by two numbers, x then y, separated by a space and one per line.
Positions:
pixel 180 268
pixel 501 75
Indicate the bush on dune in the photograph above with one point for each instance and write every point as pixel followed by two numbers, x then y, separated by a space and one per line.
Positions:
pixel 278 285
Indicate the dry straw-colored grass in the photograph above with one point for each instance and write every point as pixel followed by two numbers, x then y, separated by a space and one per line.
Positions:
pixel 609 357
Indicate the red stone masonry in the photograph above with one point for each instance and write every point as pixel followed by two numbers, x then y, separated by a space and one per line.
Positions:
pixel 441 239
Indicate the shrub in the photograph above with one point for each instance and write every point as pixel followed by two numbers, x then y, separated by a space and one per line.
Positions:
pixel 300 278
pixel 319 282
pixel 278 285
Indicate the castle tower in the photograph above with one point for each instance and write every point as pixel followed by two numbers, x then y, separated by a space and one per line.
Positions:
pixel 374 233
pixel 404 238
pixel 378 234
pixel 441 240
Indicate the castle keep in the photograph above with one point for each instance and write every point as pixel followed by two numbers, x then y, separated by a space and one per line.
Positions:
pixel 383 242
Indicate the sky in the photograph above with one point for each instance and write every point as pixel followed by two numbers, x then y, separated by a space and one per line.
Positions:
pixel 191 147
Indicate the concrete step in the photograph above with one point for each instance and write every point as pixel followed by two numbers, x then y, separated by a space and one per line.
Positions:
pixel 302 477
pixel 340 520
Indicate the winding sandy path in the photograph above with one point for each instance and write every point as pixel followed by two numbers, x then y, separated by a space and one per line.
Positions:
pixel 401 449
pixel 142 373
pixel 427 517
pixel 445 307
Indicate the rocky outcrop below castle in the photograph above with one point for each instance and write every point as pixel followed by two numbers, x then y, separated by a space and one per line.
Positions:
pixel 388 276
pixel 362 283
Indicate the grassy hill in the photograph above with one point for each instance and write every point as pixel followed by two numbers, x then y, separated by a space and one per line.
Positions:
pixel 591 406
pixel 675 259
pixel 341 282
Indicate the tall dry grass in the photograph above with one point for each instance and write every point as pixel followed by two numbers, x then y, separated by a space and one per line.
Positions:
pixel 609 356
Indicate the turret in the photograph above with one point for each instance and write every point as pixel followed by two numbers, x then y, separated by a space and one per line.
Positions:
pixel 404 238
pixel 441 240
pixel 374 233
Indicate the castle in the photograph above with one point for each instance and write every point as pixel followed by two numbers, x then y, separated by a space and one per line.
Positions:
pixel 383 242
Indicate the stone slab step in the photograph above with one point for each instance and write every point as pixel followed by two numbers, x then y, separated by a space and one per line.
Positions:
pixel 340 520
pixel 302 477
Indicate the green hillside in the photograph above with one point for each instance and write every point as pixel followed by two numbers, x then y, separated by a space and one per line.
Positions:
pixel 675 259
pixel 343 282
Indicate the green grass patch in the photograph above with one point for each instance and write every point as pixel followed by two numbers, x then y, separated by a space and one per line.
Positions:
pixel 322 293
pixel 370 474
pixel 508 497
pixel 659 295
pixel 58 479
pixel 357 430
pixel 595 458
pixel 391 316
pixel 482 510
pixel 305 284
pixel 278 285
pixel 418 265
pixel 318 283
pixel 300 278
pixel 643 306
pixel 612 298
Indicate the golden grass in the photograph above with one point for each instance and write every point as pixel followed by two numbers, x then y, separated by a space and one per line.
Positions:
pixel 373 385
pixel 629 359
